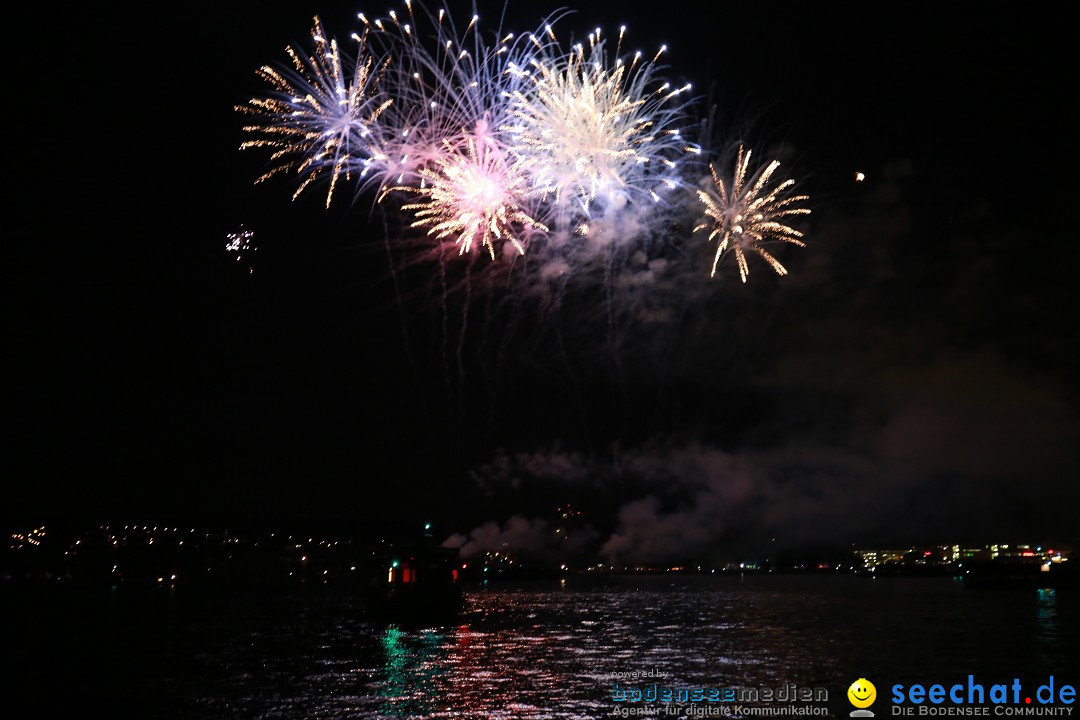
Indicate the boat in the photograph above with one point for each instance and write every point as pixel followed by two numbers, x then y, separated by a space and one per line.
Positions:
pixel 417 583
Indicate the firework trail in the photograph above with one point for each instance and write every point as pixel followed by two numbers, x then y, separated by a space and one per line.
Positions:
pixel 445 164
pixel 746 215
pixel 320 118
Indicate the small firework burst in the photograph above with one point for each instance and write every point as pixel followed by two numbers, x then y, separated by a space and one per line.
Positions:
pixel 321 115
pixel 747 215
pixel 241 244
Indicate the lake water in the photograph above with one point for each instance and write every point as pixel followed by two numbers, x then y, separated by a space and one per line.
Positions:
pixel 550 650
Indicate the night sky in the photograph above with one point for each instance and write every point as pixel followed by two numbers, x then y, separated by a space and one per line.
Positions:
pixel 912 380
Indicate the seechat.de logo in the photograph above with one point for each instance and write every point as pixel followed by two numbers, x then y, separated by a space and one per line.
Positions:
pixel 862 695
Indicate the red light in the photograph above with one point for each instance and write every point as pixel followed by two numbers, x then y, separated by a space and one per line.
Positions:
pixel 927 554
pixel 1027 554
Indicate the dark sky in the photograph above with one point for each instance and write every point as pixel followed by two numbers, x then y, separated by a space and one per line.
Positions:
pixel 913 378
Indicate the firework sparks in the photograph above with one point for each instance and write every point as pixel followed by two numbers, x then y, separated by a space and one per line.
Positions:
pixel 475 195
pixel 445 82
pixel 242 245
pixel 319 120
pixel 747 215
pixel 240 242
pixel 591 127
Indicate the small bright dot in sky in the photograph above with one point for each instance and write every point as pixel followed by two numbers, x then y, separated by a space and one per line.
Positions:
pixel 859 177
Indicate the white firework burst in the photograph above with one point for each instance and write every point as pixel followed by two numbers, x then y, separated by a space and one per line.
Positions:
pixel 593 128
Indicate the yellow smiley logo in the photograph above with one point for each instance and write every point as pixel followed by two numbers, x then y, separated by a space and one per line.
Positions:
pixel 862 693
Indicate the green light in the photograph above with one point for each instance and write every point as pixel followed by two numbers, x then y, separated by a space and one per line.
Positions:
pixel 394 564
pixel 427 526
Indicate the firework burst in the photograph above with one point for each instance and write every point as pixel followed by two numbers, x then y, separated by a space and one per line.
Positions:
pixel 592 129
pixel 446 83
pixel 321 116
pixel 487 138
pixel 474 195
pixel 747 215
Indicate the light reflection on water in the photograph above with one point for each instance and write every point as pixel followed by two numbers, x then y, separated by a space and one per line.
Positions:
pixel 548 652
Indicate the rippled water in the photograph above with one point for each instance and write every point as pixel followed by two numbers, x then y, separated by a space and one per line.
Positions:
pixel 549 650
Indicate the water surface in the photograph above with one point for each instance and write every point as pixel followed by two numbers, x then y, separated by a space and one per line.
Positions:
pixel 547 650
